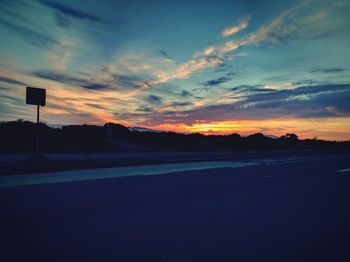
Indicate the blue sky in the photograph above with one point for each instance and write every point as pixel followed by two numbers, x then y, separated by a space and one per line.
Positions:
pixel 188 66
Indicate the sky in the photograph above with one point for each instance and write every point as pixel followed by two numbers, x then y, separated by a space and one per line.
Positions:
pixel 215 67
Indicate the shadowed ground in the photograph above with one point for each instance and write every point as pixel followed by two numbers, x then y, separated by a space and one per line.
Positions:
pixel 292 211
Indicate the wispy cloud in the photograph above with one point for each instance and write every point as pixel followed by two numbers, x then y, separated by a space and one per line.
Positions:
pixel 290 24
pixel 60 55
pixel 250 89
pixel 307 19
pixel 153 99
pixel 235 28
pixel 301 102
pixel 104 81
pixel 11 81
pixel 257 103
pixel 66 10
pixel 217 81
pixel 185 93
pixel 165 54
pixel 162 69
pixel 130 81
pixel 31 35
pixel 181 104
pixel 188 68
pixel 70 80
pixel 329 70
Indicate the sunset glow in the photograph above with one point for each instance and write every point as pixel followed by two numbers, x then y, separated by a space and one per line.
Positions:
pixel 225 67
pixel 277 127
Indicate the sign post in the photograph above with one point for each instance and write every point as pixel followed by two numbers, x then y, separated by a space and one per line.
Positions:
pixel 36 96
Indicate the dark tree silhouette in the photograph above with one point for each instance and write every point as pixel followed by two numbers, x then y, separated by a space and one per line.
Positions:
pixel 19 136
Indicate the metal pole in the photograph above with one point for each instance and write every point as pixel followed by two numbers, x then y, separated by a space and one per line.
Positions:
pixel 37 129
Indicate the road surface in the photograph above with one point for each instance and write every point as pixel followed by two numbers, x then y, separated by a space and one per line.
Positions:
pixel 275 211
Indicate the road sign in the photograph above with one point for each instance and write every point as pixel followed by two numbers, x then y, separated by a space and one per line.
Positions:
pixel 36 96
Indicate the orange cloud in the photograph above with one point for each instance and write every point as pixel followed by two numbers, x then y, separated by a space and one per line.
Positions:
pixel 236 28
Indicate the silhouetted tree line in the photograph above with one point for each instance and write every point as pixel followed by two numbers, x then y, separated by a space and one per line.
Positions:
pixel 19 136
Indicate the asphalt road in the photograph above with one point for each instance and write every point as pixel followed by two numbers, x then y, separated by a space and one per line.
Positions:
pixel 282 211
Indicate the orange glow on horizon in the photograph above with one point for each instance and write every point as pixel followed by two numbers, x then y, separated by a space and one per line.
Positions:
pixel 325 128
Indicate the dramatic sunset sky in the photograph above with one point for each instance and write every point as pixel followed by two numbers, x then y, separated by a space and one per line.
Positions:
pixel 216 67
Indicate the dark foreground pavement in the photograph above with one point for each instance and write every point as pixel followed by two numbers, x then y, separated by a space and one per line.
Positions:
pixel 296 211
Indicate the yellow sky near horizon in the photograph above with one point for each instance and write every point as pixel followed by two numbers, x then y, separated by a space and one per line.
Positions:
pixel 324 128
